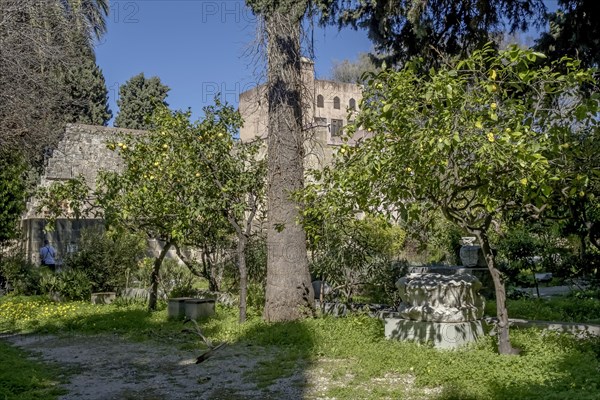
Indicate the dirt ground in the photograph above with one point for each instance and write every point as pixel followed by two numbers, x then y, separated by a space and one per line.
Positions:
pixel 108 367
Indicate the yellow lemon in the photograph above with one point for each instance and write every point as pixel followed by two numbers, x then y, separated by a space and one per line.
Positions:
pixel 493 106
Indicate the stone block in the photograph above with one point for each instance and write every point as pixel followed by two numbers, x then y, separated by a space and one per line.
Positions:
pixel 199 308
pixel 176 307
pixel 443 335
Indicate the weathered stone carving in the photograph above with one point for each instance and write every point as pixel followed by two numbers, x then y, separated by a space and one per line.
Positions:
pixel 440 298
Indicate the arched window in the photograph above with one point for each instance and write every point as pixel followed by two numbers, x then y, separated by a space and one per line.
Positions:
pixel 336 103
pixel 352 104
pixel 320 101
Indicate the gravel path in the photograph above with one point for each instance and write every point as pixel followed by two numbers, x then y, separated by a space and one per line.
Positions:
pixel 108 367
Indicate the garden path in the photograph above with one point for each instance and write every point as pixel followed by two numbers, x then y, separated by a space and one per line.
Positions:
pixel 107 367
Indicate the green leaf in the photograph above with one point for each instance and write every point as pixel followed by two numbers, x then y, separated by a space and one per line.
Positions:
pixel 546 190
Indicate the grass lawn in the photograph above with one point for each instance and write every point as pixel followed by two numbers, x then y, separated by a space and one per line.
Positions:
pixel 351 352
pixel 24 379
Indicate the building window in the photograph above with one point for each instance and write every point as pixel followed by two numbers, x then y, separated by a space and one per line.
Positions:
pixel 352 104
pixel 336 103
pixel 320 122
pixel 320 101
pixel 336 127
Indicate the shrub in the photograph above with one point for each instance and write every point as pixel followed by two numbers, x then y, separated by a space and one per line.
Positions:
pixel 21 276
pixel 69 284
pixel 106 257
pixel 353 255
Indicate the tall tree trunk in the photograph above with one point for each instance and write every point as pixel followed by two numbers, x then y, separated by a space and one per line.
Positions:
pixel 241 256
pixel 154 276
pixel 504 346
pixel 289 291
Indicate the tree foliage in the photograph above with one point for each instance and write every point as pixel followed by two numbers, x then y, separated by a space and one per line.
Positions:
pixel 574 32
pixel 351 254
pixel 477 139
pixel 183 177
pixel 87 94
pixel 183 183
pixel 42 41
pixel 12 194
pixel 404 29
pixel 138 98
pixel 353 72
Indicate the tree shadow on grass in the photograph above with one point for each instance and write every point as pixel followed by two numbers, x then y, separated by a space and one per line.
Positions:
pixel 280 358
pixel 260 361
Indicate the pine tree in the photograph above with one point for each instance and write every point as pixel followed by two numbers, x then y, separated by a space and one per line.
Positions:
pixel 138 98
pixel 574 32
pixel 87 96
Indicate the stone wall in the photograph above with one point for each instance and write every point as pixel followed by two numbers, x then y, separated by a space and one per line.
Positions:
pixel 81 151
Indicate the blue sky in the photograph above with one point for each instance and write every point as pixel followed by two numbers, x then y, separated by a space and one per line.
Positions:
pixel 199 48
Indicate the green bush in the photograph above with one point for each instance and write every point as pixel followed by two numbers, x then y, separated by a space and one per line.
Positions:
pixel 106 257
pixel 69 284
pixel 22 277
pixel 357 256
pixel 13 194
pixel 516 250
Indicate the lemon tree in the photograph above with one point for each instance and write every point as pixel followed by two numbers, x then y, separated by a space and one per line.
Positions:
pixel 476 139
pixel 184 183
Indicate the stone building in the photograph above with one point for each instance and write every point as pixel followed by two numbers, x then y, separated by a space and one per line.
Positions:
pixel 81 151
pixel 328 107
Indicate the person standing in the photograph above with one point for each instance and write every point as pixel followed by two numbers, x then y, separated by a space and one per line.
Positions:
pixel 48 255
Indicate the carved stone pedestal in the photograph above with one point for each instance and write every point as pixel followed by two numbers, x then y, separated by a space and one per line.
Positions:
pixel 444 310
pixel 443 335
